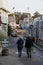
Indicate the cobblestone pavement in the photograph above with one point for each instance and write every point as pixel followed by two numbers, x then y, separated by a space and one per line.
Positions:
pixel 13 59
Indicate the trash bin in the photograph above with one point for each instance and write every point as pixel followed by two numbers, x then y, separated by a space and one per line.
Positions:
pixel 5 51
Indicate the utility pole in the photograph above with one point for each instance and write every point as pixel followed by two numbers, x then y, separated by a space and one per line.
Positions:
pixel 28 22
pixel 13 9
pixel 28 15
pixel 30 30
pixel 14 17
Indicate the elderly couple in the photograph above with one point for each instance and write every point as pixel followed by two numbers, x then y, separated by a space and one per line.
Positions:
pixel 28 45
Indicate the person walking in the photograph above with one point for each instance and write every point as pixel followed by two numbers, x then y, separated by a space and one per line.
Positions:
pixel 28 45
pixel 20 46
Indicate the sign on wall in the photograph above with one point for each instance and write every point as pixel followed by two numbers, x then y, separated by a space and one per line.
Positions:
pixel 5 43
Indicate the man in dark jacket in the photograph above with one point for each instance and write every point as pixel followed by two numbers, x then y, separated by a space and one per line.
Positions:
pixel 20 46
pixel 28 45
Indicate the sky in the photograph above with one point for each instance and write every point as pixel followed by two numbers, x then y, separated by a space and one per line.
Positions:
pixel 23 5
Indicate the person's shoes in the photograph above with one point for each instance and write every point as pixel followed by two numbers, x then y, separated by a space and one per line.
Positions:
pixel 30 56
pixel 19 55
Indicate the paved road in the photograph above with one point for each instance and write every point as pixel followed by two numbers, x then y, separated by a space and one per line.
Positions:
pixel 13 59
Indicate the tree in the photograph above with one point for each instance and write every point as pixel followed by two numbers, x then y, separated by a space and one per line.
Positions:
pixel 24 15
pixel 17 17
pixel 9 30
pixel 2 35
pixel 36 14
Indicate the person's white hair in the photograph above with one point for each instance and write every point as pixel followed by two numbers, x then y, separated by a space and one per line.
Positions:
pixel 29 34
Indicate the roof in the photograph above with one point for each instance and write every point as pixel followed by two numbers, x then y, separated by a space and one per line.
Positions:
pixel 4 5
pixel 11 14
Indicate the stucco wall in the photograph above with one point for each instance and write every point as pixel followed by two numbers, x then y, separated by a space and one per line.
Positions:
pixel 4 5
pixel 4 16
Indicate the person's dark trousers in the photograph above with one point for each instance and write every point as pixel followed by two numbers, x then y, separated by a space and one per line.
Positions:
pixel 19 52
pixel 29 52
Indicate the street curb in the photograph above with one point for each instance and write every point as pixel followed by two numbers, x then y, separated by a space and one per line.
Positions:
pixel 38 47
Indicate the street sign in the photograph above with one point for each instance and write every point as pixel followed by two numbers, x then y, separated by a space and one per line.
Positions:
pixel 31 26
pixel 5 43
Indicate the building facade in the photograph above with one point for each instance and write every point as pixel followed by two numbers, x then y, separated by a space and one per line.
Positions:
pixel 27 20
pixel 11 20
pixel 4 10
pixel 38 30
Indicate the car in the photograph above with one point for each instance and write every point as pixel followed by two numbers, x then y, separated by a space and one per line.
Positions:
pixel 22 32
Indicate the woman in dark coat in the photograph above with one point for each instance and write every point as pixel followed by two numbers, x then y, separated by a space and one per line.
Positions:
pixel 20 46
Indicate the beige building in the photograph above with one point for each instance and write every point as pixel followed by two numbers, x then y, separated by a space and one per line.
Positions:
pixel 4 10
pixel 27 20
pixel 11 20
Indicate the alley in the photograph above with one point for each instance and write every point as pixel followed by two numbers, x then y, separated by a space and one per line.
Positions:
pixel 13 59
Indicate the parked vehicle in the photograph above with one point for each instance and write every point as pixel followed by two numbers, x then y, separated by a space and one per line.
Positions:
pixel 22 32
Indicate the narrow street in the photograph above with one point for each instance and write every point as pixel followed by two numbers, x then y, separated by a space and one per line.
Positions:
pixel 21 19
pixel 13 59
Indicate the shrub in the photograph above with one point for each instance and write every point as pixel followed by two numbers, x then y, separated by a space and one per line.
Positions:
pixel 9 30
pixel 2 35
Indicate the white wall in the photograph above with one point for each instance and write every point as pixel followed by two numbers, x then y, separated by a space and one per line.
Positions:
pixel 4 5
pixel 4 19
pixel 11 19
pixel 39 26
pixel 4 16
